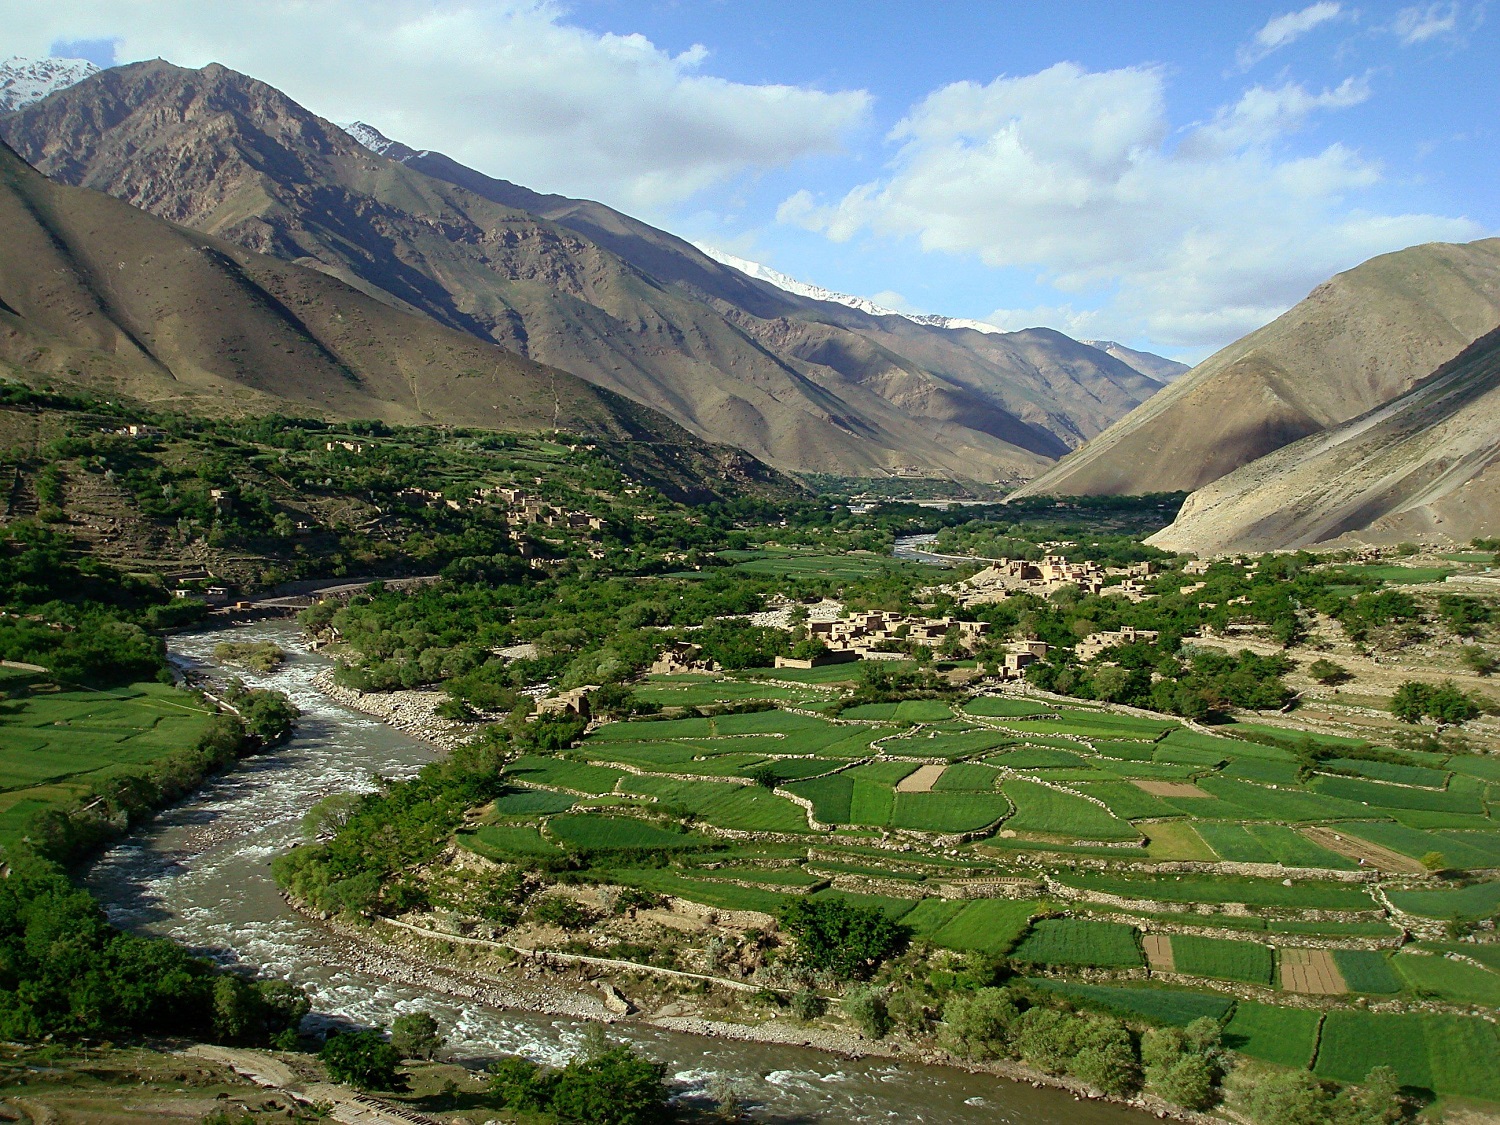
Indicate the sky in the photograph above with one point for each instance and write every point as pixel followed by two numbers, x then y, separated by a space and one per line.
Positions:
pixel 1170 175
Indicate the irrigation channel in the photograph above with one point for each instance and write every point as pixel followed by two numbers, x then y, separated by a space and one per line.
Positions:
pixel 200 873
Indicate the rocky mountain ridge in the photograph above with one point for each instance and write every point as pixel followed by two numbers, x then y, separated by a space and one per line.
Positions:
pixel 23 80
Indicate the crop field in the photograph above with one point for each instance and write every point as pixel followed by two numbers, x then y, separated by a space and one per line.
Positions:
pixel 725 896
pixel 1286 1036
pixel 1464 795
pixel 1127 801
pixel 1256 802
pixel 1047 812
pixel 830 796
pixel 1352 1042
pixel 1460 849
pixel 1308 895
pixel 1270 843
pixel 531 802
pixel 1171 1007
pixel 993 707
pixel 1454 981
pixel 947 812
pixel 1480 900
pixel 787 563
pixel 925 744
pixel 1262 771
pixel 828 674
pixel 744 807
pixel 1392 772
pixel 931 915
pixel 53 745
pixel 1080 941
pixel 587 832
pixel 907 711
pixel 991 925
pixel 693 695
pixel 1038 758
pixel 564 774
pixel 1366 970
pixel 1218 959
pixel 502 841
pixel 1127 751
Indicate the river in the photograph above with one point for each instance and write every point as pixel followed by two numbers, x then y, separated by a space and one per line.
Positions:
pixel 200 874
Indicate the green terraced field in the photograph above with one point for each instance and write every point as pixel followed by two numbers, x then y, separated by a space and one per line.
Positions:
pixel 1461 849
pixel 1390 771
pixel 1048 812
pixel 1037 758
pixel 1481 900
pixel 1464 795
pixel 502 841
pixel 55 745
pixel 1352 1042
pixel 1454 981
pixel 947 812
pixel 1366 970
pixel 992 925
pixel 996 708
pixel 1080 941
pixel 1167 1006
pixel 531 802
pixel 1270 843
pixel 925 744
pixel 564 774
pixel 1127 801
pixel 585 831
pixel 1286 1036
pixel 966 777
pixel 1218 959
pixel 744 807
pixel 931 914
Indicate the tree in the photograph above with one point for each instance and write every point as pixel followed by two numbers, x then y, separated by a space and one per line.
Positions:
pixel 1480 660
pixel 866 1006
pixel 1327 672
pixel 836 935
pixel 977 1025
pixel 1409 703
pixel 416 1035
pixel 1291 1097
pixel 361 1058
pixel 1434 862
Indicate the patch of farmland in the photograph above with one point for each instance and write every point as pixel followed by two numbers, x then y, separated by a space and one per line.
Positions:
pixel 723 691
pixel 1037 758
pixel 744 807
pixel 1453 981
pixel 1462 1051
pixel 1444 821
pixel 1119 726
pixel 1485 769
pixel 1186 756
pixel 1361 851
pixel 529 802
pixel 1295 736
pixel 790 769
pixel 1172 1007
pixel 769 722
pixel 1046 811
pixel 1127 801
pixel 1332 929
pixel 1125 767
pixel 1312 972
pixel 588 832
pixel 1304 895
pixel 921 779
pixel 725 896
pixel 893 908
pixel 946 812
pixel 931 914
pixel 564 773
pixel 1464 795
pixel 1392 772
pixel 1459 849
pixel 1353 1042
pixel 829 674
pixel 1285 1036
pixel 1176 839
pixel 1211 744
pixel 926 744
pixel 992 925
pixel 994 707
pixel 1481 900
pixel 1270 843
pixel 1127 751
pixel 1261 803
pixel 1169 788
pixel 1158 950
pixel 1010 845
pixel 966 777
pixel 644 730
pixel 830 796
pixel 503 841
pixel 1366 970
pixel 1080 941
pixel 1259 770
pixel 1221 959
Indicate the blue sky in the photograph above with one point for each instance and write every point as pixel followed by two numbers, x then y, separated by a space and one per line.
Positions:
pixel 1167 174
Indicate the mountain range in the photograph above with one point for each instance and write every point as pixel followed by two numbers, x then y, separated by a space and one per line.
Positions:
pixel 801 383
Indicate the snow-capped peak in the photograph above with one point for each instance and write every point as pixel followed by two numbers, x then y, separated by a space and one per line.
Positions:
pixel 23 81
pixel 818 293
pixel 378 143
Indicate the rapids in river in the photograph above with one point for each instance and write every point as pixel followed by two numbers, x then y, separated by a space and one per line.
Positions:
pixel 200 873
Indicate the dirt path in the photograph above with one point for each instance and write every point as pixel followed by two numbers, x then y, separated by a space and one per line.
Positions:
pixel 922 780
pixel 1362 851
pixel 1158 949
pixel 1170 788
pixel 348 1106
pixel 1312 972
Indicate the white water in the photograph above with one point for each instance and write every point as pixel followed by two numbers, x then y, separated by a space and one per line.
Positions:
pixel 200 874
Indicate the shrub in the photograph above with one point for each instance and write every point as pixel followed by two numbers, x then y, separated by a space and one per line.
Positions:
pixel 565 913
pixel 977 1025
pixel 610 1086
pixel 866 1006
pixel 1444 703
pixel 806 1004
pixel 361 1058
pixel 1327 672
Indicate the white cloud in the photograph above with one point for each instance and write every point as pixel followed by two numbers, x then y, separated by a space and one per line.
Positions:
pixel 1425 21
pixel 509 87
pixel 1071 173
pixel 1283 30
